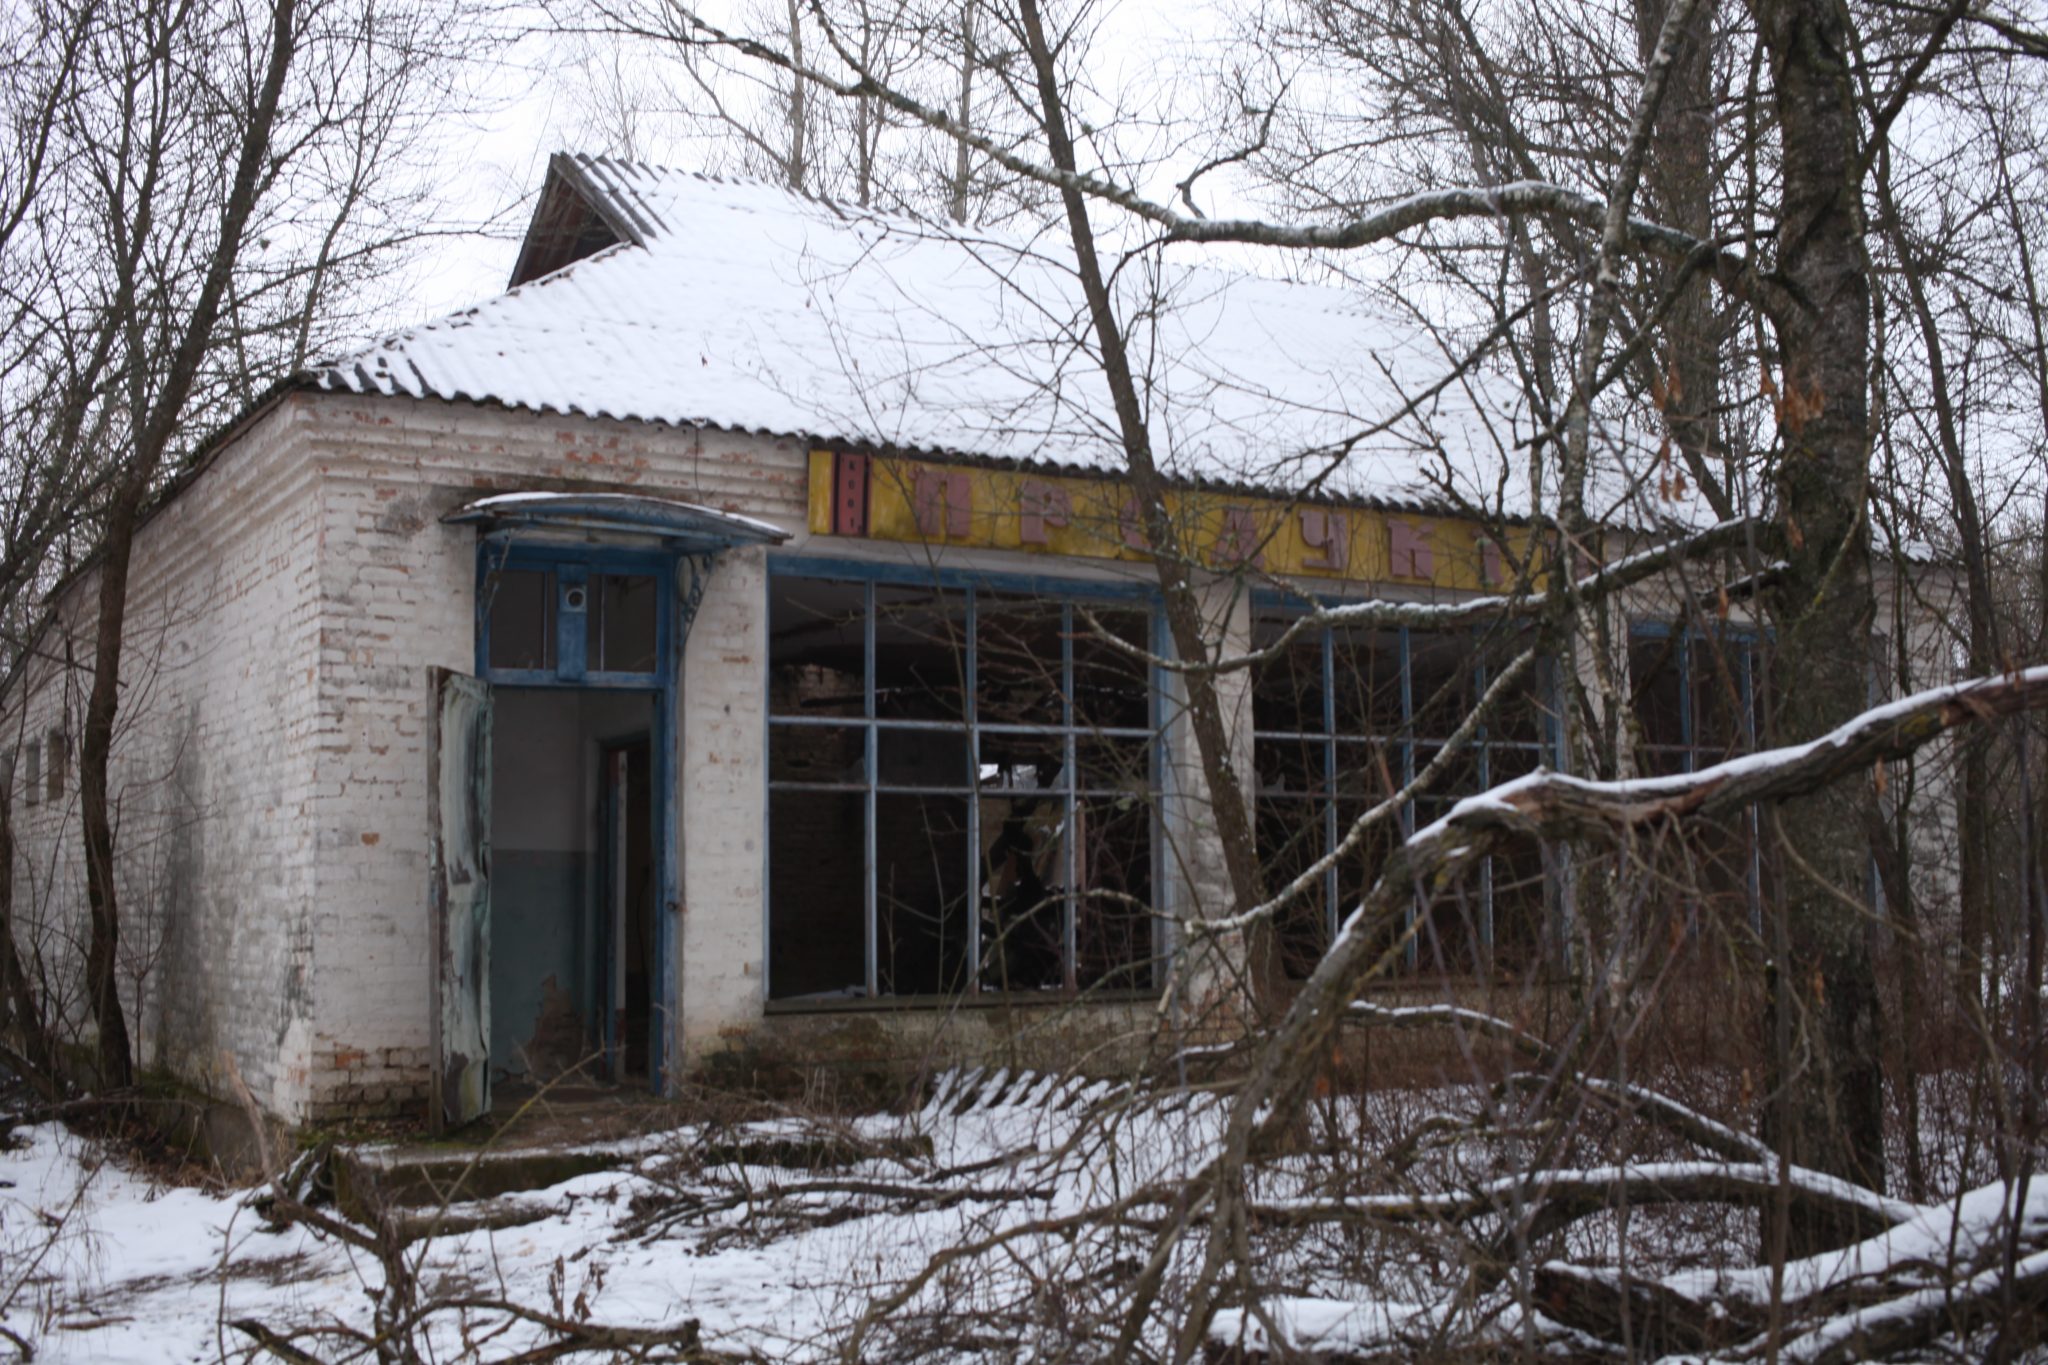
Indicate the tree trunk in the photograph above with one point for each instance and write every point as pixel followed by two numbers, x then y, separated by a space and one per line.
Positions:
pixel 1827 1087
pixel 1229 809
pixel 1678 183
pixel 963 165
pixel 103 949
pixel 796 168
pixel 158 421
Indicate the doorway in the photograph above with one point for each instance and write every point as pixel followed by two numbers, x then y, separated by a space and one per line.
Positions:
pixel 563 956
pixel 573 962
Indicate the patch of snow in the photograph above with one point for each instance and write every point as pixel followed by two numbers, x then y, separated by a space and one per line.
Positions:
pixel 1324 1325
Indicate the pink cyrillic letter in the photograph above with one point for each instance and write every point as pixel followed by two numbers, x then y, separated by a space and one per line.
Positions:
pixel 1408 550
pixel 1329 537
pixel 944 503
pixel 1042 506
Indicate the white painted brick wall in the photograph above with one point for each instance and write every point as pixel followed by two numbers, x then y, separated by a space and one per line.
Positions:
pixel 271 767
pixel 209 779
pixel 724 800
pixel 270 770
pixel 398 595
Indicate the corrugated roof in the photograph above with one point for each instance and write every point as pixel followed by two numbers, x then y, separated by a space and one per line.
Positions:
pixel 746 307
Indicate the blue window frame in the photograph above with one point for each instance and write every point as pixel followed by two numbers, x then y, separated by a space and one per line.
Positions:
pixel 964 785
pixel 1342 719
pixel 1694 692
pixel 574 616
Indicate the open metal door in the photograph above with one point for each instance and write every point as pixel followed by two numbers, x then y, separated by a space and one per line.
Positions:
pixel 459 896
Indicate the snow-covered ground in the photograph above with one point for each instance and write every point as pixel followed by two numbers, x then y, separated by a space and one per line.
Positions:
pixel 101 1263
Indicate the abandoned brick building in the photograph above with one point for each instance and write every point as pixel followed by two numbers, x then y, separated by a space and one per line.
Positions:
pixel 702 651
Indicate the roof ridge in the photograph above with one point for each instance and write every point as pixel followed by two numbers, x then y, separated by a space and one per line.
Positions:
pixel 841 208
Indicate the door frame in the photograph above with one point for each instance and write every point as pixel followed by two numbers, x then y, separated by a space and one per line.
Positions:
pixel 574 564
pixel 607 830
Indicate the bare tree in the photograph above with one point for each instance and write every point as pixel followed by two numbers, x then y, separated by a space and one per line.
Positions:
pixel 212 183
pixel 1788 246
pixel 743 117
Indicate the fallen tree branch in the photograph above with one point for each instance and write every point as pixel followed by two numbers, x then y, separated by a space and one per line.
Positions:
pixel 273 1344
pixel 654 1215
pixel 1558 806
pixel 1651 1319
pixel 1553 806
pixel 1662 1110
pixel 571 1336
pixel 1551 1199
pixel 1920 1318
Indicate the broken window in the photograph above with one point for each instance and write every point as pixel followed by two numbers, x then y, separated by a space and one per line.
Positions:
pixel 60 762
pixel 1343 720
pixel 974 774
pixel 550 614
pixel 1695 695
pixel 521 612
pixel 621 637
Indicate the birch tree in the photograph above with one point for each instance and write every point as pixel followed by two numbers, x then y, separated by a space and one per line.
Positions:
pixel 1783 240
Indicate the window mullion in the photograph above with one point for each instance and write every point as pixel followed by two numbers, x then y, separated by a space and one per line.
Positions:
pixel 1070 903
pixel 872 764
pixel 1753 876
pixel 1331 918
pixel 1407 777
pixel 572 623
pixel 1688 728
pixel 1485 748
pixel 973 707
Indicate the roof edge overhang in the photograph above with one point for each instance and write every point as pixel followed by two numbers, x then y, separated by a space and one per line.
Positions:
pixel 685 525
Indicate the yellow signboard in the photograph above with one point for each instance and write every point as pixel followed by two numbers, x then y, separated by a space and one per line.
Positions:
pixel 923 502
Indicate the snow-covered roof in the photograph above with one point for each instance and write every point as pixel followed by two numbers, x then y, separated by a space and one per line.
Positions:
pixel 746 307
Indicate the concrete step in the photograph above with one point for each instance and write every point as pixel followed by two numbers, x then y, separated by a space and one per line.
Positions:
pixel 367 1179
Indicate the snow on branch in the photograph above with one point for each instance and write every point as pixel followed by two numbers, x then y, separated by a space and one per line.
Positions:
pixel 1919 1318
pixel 1555 805
pixel 1550 1199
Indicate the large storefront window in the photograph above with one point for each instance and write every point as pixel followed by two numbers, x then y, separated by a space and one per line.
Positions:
pixel 963 791
pixel 1696 697
pixel 1342 719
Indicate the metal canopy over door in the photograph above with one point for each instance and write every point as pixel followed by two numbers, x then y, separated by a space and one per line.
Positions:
pixel 459 861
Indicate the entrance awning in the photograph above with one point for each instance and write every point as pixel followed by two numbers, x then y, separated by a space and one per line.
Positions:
pixel 686 526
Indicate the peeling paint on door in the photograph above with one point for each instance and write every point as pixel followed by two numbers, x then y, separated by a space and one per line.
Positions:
pixel 459 829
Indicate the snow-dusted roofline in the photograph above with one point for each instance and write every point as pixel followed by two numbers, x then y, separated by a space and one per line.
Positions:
pixel 741 306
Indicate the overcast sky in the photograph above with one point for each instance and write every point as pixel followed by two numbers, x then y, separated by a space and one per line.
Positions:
pixel 528 108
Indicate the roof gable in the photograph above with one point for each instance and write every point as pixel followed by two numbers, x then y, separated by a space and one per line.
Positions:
pixel 566 227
